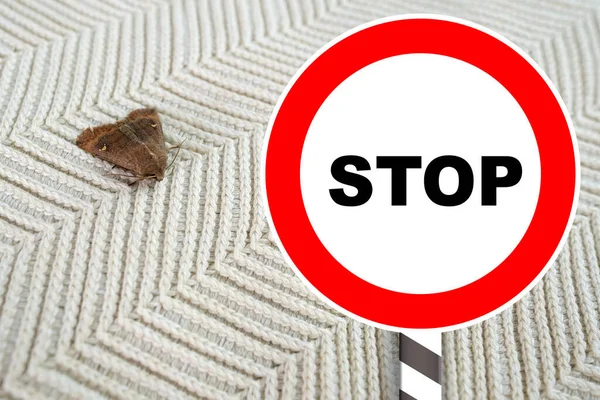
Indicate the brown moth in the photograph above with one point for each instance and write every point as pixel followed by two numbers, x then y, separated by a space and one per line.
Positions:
pixel 135 143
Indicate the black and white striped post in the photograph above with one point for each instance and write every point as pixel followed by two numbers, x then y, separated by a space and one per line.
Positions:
pixel 420 365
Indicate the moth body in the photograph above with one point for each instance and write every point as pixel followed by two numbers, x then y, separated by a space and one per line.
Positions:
pixel 135 143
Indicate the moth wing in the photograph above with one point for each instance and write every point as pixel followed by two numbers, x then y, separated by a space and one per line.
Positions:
pixel 143 112
pixel 110 144
pixel 148 129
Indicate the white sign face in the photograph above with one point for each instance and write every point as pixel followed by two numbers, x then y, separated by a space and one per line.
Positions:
pixel 428 106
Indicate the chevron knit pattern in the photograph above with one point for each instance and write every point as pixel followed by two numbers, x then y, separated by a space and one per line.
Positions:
pixel 176 290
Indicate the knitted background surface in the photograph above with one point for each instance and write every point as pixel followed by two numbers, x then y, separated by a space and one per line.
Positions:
pixel 175 289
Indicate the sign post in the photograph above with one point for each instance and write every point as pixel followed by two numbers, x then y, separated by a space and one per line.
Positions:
pixel 420 365
pixel 421 175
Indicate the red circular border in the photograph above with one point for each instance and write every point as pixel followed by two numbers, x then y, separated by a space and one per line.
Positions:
pixel 557 188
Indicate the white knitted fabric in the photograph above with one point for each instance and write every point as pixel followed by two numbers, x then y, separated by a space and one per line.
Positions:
pixel 175 289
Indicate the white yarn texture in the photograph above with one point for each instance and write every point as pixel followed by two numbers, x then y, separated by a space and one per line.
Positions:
pixel 175 289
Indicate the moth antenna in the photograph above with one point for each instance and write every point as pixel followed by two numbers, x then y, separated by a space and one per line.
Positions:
pixel 179 145
pixel 176 154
